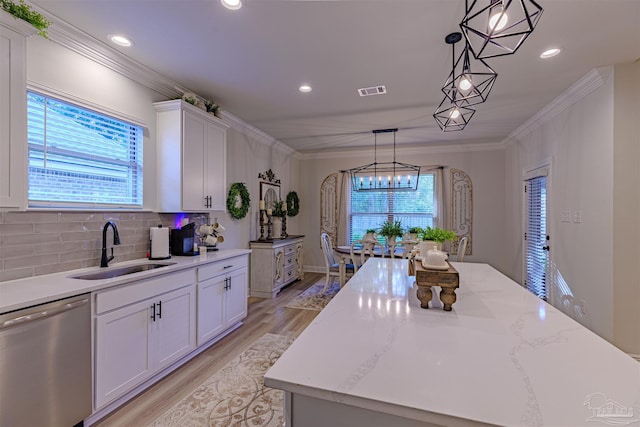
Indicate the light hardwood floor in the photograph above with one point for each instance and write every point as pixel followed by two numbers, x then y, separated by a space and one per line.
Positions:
pixel 265 316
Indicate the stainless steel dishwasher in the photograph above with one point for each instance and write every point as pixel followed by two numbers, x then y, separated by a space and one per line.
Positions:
pixel 45 364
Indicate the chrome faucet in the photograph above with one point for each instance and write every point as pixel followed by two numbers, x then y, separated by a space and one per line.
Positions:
pixel 104 262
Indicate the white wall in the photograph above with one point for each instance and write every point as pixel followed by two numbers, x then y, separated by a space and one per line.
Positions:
pixel 579 142
pixel 486 169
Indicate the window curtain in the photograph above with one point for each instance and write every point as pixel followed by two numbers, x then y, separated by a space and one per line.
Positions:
pixel 439 211
pixel 344 195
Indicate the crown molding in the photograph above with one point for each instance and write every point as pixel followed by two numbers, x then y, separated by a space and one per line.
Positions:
pixel 255 133
pixel 16 24
pixel 81 43
pixel 411 150
pixel 590 82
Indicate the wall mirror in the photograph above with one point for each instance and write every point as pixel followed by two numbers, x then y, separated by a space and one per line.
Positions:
pixel 269 189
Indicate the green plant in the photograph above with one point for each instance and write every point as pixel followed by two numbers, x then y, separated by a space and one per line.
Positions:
pixel 370 230
pixel 211 106
pixel 415 230
pixel 293 203
pixel 238 200
pixel 23 11
pixel 278 209
pixel 437 234
pixel 391 229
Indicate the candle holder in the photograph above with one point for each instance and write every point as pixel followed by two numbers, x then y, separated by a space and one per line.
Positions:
pixel 283 233
pixel 262 223
pixel 269 227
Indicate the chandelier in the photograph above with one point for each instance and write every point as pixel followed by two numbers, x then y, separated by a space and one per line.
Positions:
pixel 385 176
pixel 498 27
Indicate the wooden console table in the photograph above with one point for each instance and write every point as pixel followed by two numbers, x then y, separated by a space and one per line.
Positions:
pixel 448 281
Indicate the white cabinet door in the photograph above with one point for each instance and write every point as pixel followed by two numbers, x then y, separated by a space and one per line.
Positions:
pixel 13 112
pixel 173 330
pixel 123 351
pixel 215 167
pixel 211 319
pixel 236 297
pixel 193 163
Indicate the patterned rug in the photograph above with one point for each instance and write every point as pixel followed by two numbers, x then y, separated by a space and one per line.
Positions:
pixel 313 298
pixel 235 395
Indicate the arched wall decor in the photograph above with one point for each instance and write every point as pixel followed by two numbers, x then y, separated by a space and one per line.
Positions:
pixel 329 206
pixel 461 212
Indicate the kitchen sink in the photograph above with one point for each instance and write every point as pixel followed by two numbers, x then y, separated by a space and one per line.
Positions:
pixel 120 271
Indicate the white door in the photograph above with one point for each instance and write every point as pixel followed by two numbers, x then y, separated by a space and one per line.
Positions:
pixel 174 326
pixel 215 167
pixel 193 162
pixel 236 297
pixel 123 351
pixel 211 308
pixel 536 237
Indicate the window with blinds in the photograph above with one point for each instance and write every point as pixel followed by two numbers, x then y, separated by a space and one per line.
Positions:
pixel 81 158
pixel 369 209
pixel 536 244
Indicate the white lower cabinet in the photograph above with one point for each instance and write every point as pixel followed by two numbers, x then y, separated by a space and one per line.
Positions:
pixel 140 329
pixel 143 327
pixel 222 296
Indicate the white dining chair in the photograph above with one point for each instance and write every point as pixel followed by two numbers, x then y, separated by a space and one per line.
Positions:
pixel 332 267
pixel 462 248
pixel 362 250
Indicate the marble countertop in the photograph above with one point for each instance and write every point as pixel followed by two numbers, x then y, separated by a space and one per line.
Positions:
pixel 21 293
pixel 500 357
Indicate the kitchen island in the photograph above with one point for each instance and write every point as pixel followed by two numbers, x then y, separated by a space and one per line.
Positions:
pixel 502 356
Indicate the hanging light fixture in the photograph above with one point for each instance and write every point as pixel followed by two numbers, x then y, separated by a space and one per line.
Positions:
pixel 470 80
pixel 455 111
pixel 498 27
pixel 385 176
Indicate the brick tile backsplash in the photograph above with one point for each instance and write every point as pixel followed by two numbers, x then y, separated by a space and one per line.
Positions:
pixel 37 243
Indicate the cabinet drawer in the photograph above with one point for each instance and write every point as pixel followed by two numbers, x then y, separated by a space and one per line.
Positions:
pixel 138 291
pixel 290 250
pixel 211 270
pixel 290 273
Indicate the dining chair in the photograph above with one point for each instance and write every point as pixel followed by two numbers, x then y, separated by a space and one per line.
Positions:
pixel 332 267
pixel 462 247
pixel 362 250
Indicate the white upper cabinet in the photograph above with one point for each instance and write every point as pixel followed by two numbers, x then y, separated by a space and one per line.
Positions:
pixel 13 111
pixel 192 158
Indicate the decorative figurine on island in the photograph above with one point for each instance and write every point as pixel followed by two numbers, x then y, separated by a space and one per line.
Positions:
pixel 266 219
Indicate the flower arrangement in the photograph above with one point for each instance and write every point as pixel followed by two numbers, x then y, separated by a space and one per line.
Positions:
pixel 23 11
pixel 279 209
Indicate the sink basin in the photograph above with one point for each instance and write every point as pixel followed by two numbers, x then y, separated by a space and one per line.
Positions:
pixel 120 271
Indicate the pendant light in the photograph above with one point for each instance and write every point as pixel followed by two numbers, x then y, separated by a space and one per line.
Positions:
pixel 470 80
pixel 385 176
pixel 454 113
pixel 498 27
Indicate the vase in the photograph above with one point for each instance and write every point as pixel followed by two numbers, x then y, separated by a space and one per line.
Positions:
pixel 391 242
pixel 277 227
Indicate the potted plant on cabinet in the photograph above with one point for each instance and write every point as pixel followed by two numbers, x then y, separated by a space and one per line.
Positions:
pixel 391 230
pixel 279 211
pixel 412 234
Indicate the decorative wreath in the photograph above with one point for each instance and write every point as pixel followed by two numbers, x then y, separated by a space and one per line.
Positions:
pixel 293 204
pixel 238 189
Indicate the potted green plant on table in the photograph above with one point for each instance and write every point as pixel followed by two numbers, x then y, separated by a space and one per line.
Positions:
pixel 370 235
pixel 437 235
pixel 412 234
pixel 391 230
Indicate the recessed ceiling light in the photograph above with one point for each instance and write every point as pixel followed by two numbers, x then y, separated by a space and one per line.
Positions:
pixel 305 88
pixel 550 52
pixel 120 40
pixel 232 4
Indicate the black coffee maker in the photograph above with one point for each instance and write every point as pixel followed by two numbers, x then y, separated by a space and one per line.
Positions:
pixel 182 240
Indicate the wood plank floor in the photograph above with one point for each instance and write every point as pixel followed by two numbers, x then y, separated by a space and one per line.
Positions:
pixel 265 316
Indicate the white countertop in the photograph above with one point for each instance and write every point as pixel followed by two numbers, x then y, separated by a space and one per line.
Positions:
pixel 500 357
pixel 21 293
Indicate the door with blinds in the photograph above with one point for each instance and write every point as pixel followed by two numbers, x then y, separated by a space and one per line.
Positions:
pixel 536 237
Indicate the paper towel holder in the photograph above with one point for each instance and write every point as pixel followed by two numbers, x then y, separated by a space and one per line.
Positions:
pixel 159 249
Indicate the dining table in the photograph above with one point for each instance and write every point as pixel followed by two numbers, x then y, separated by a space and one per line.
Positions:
pixel 344 253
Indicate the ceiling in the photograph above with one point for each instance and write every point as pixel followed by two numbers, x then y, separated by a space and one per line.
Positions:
pixel 252 61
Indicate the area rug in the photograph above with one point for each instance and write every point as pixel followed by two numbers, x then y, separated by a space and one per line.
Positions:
pixel 235 395
pixel 313 298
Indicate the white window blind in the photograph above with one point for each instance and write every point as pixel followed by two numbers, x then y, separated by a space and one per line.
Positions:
pixel 369 209
pixel 536 243
pixel 81 158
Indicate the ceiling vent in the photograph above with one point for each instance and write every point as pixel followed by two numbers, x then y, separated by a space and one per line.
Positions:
pixel 373 90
